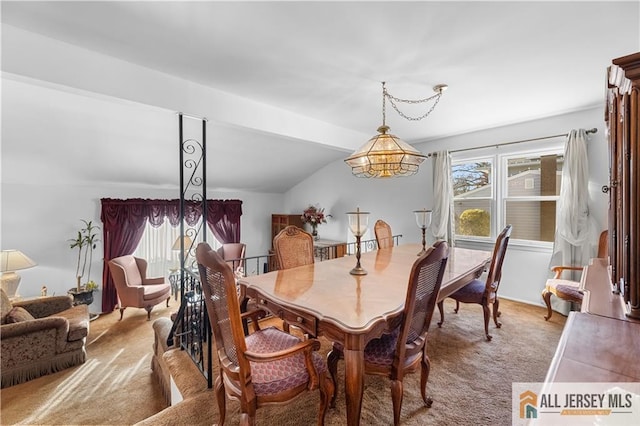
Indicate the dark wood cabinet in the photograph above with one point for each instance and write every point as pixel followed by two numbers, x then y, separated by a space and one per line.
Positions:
pixel 623 123
pixel 281 221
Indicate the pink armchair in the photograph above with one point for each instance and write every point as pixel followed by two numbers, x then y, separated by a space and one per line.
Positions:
pixel 233 254
pixel 134 288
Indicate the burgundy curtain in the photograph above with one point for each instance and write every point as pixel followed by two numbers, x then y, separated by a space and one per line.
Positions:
pixel 223 218
pixel 123 225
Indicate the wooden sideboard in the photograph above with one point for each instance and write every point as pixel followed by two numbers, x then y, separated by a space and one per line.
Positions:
pixel 600 343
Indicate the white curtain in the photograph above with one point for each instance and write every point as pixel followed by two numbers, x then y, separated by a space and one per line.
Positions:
pixel 156 248
pixel 441 221
pixel 575 234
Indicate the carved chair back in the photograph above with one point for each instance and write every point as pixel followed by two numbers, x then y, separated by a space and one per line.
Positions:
pixel 293 247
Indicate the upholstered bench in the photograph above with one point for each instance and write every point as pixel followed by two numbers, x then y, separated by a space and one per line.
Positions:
pixel 173 368
pixel 183 385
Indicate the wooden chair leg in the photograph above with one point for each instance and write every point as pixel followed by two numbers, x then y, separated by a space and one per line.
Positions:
pixel 487 314
pixel 546 296
pixel 148 309
pixel 396 397
pixel 121 313
pixel 168 298
pixel 332 365
pixel 424 378
pixel 496 312
pixel 327 392
pixel 221 398
pixel 441 309
pixel 457 307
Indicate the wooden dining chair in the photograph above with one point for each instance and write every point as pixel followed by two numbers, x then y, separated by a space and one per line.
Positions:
pixel 569 290
pixel 484 293
pixel 384 237
pixel 404 349
pixel 293 247
pixel 266 367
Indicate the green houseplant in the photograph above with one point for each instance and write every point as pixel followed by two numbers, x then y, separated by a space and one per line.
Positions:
pixel 85 241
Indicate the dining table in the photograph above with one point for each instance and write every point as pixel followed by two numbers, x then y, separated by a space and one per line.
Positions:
pixel 324 299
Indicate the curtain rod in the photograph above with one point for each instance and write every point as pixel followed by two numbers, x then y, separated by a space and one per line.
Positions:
pixel 594 130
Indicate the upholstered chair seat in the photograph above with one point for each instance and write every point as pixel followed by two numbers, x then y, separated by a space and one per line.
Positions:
pixel 277 376
pixel 472 292
pixel 565 289
pixel 380 351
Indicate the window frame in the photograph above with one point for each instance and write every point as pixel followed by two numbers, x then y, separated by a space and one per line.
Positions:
pixel 494 187
pixel 500 196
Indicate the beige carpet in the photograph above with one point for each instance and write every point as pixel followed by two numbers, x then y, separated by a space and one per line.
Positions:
pixel 470 378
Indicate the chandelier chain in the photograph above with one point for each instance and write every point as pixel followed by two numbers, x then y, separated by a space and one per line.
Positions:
pixel 393 101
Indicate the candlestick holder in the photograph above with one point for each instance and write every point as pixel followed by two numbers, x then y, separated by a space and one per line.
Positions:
pixel 358 224
pixel 423 220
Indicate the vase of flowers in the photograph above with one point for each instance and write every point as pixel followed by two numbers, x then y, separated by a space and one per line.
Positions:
pixel 314 216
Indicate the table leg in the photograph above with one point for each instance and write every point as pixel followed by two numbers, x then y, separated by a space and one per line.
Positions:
pixel 354 384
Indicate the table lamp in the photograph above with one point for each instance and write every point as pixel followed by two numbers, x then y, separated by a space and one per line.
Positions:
pixel 423 220
pixel 11 261
pixel 183 242
pixel 358 224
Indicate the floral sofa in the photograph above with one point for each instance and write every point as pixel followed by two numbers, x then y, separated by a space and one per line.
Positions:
pixel 40 336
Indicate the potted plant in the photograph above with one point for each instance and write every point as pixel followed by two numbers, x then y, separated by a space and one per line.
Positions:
pixel 85 241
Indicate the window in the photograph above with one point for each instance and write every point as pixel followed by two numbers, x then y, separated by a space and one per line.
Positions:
pixel 156 248
pixel 520 189
pixel 473 197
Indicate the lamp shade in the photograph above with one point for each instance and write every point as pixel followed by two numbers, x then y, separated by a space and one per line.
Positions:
pixel 11 261
pixel 187 242
pixel 14 260
pixel 385 155
pixel 358 222
pixel 423 218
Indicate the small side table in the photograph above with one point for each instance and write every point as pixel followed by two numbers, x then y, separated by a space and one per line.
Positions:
pixel 174 280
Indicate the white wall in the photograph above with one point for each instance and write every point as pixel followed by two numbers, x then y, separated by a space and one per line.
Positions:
pixel 525 269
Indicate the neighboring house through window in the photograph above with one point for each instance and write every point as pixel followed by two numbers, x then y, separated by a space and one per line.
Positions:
pixel 517 188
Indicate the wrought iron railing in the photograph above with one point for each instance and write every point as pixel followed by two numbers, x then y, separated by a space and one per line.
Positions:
pixel 369 245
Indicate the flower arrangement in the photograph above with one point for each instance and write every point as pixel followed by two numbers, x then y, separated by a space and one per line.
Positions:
pixel 314 216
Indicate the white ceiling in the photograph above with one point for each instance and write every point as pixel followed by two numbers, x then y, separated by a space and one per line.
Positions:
pixel 504 62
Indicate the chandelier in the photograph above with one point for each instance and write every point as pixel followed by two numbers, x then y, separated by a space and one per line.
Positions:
pixel 386 155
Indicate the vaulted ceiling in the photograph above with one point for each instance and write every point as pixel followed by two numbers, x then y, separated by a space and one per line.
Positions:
pixel 504 62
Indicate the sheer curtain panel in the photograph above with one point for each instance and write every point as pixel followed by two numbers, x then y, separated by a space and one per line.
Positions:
pixel 575 238
pixel 442 227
